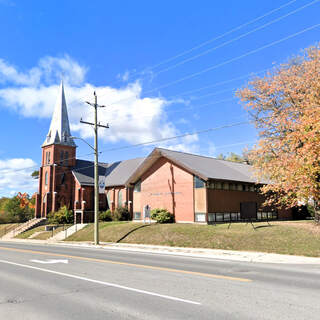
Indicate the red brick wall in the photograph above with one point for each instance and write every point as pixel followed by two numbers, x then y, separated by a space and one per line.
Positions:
pixel 166 185
pixel 58 193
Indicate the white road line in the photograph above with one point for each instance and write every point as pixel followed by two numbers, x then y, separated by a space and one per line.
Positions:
pixel 50 261
pixel 108 284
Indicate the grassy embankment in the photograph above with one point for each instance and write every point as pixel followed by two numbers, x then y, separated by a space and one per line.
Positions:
pixel 43 235
pixel 285 237
pixel 7 227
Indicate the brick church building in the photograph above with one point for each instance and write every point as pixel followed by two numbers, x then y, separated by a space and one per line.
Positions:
pixel 194 188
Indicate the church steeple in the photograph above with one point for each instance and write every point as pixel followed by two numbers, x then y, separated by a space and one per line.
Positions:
pixel 59 132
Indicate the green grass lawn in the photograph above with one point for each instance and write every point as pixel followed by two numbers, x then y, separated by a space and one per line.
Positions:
pixel 286 237
pixel 7 227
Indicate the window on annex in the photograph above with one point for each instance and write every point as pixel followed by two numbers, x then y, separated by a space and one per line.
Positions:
pixel 240 187
pixel 218 185
pixel 137 215
pixel 273 215
pixel 198 183
pixel 221 217
pixel 200 217
pixel 137 186
pixel 225 186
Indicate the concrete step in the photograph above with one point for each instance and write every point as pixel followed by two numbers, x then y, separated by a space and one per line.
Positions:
pixel 23 227
pixel 68 232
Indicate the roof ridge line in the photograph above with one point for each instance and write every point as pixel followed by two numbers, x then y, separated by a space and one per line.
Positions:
pixel 198 155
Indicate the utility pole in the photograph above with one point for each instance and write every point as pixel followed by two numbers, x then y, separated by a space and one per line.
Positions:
pixel 96 125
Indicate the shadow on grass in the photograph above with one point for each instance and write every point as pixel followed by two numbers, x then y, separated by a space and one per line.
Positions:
pixel 133 230
pixel 264 226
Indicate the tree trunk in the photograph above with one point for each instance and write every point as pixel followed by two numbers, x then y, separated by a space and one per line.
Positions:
pixel 317 216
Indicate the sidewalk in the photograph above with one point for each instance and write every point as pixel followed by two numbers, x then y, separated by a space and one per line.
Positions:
pixel 244 256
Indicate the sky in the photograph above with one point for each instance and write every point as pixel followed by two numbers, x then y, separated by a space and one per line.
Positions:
pixel 161 68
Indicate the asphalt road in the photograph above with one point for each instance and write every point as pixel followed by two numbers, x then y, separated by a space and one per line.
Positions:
pixel 62 282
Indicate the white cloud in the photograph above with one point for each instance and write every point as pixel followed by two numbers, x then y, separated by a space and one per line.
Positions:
pixel 48 71
pixel 9 73
pixel 16 176
pixel 124 77
pixel 132 118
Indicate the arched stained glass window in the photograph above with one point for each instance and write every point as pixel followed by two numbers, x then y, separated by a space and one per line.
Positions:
pixel 120 198
pixel 108 199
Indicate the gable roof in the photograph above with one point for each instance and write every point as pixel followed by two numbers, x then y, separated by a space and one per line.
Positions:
pixel 204 167
pixel 116 173
pixel 84 171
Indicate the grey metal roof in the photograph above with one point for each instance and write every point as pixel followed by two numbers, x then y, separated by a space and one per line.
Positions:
pixel 129 171
pixel 116 173
pixel 212 168
pixel 204 167
pixel 59 131
pixel 84 171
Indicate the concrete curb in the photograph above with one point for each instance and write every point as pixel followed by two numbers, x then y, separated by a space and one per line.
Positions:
pixel 244 256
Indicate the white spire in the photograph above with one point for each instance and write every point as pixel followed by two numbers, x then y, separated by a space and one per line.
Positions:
pixel 59 132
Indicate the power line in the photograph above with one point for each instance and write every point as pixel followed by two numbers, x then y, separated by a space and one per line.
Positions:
pixel 190 76
pixel 240 27
pixel 236 38
pixel 218 37
pixel 156 141
pixel 177 136
pixel 225 43
pixel 216 84
pixel 238 57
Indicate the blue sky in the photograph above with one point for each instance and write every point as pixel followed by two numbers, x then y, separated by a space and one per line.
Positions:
pixel 125 51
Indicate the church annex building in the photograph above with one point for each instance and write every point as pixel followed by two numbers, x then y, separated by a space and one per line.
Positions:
pixel 194 188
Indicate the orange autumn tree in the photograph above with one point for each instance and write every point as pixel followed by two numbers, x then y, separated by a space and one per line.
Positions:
pixel 25 201
pixel 285 107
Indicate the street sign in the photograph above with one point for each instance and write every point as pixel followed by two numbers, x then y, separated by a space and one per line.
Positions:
pixel 102 184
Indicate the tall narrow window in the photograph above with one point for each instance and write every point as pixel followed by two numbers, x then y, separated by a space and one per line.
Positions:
pixel 120 199
pixel 66 158
pixel 48 162
pixel 109 199
pixel 198 183
pixel 63 177
pixel 61 157
pixel 137 186
pixel 46 179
